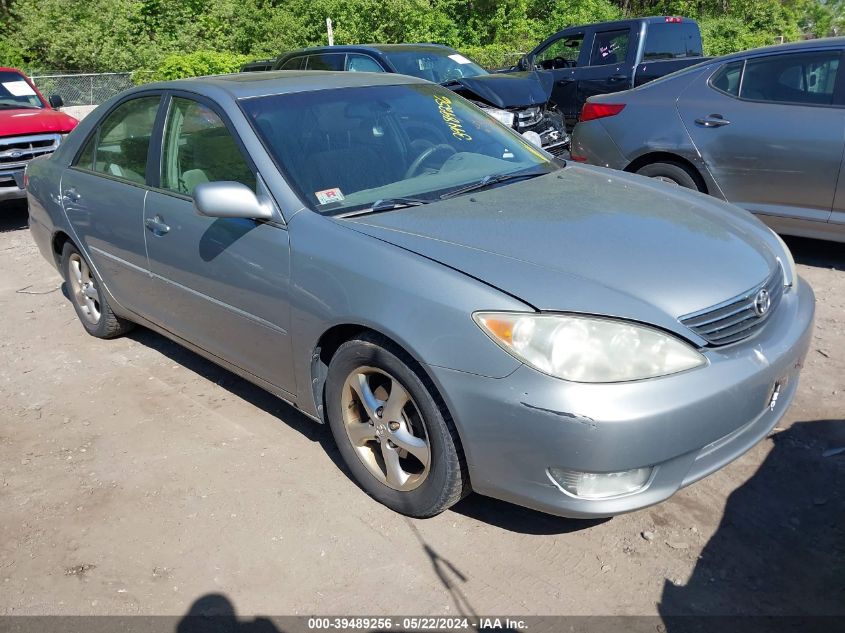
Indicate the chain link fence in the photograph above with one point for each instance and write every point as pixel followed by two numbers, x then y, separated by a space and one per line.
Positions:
pixel 84 89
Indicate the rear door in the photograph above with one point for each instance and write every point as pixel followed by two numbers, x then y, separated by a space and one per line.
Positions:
pixel 103 193
pixel 610 66
pixel 220 283
pixel 770 133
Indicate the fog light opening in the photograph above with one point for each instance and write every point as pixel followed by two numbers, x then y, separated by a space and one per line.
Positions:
pixel 600 485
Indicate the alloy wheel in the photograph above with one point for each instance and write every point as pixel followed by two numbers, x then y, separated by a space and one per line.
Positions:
pixel 384 425
pixel 84 288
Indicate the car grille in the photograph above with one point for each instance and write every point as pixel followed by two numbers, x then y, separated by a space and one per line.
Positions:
pixel 17 151
pixel 737 318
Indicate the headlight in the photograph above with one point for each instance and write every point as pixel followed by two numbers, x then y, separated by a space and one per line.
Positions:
pixel 588 349
pixel 789 264
pixel 503 116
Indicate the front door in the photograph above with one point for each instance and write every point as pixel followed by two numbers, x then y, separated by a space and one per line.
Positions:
pixel 222 283
pixel 103 194
pixel 769 132
pixel 560 57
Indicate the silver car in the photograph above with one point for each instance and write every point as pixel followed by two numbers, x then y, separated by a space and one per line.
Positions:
pixel 763 129
pixel 463 311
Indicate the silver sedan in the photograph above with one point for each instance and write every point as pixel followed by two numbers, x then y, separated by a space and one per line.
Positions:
pixel 463 311
pixel 764 129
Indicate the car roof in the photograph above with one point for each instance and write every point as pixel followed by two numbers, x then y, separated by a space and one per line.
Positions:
pixel 378 48
pixel 272 82
pixel 822 42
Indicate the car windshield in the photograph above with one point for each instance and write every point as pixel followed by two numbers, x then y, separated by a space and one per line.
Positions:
pixel 348 148
pixel 434 64
pixel 15 92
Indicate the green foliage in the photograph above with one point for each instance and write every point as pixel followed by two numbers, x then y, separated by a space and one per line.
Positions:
pixel 118 35
pixel 196 64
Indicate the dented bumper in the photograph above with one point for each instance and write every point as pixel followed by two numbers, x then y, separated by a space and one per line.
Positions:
pixel 685 426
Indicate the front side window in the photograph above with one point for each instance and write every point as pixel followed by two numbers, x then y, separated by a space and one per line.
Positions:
pixel 562 53
pixel 119 146
pixel 610 47
pixel 800 78
pixel 326 61
pixel 199 148
pixel 434 64
pixel 362 64
pixel 15 92
pixel 346 148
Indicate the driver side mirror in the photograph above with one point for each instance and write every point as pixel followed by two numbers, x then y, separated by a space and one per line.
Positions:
pixel 224 199
pixel 56 101
pixel 526 62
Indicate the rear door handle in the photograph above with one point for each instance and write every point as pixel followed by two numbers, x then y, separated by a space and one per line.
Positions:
pixel 713 120
pixel 156 225
pixel 617 78
pixel 71 195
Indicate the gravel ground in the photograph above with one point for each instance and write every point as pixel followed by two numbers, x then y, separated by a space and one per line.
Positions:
pixel 136 478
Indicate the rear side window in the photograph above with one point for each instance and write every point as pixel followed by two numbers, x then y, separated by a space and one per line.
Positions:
pixel 610 47
pixel 800 78
pixel 294 63
pixel 728 78
pixel 327 61
pixel 120 144
pixel 672 40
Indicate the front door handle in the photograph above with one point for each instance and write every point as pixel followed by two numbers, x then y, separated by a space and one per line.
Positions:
pixel 71 195
pixel 713 120
pixel 156 225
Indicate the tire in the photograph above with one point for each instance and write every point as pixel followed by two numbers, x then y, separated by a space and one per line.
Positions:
pixel 670 172
pixel 373 461
pixel 87 297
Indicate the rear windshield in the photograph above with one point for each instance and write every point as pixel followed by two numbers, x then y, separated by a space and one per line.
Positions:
pixel 439 66
pixel 15 92
pixel 346 148
pixel 672 40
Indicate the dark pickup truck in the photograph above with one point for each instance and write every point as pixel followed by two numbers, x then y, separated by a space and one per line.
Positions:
pixel 612 56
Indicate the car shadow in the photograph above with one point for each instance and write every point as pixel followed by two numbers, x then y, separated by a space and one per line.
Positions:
pixel 242 389
pixel 514 518
pixel 14 215
pixel 779 549
pixel 215 613
pixel 816 253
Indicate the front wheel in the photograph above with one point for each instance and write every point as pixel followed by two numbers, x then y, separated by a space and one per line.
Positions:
pixel 399 444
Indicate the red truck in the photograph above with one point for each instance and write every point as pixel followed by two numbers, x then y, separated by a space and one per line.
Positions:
pixel 30 126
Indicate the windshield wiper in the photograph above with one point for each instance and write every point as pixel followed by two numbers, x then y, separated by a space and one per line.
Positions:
pixel 388 204
pixel 19 106
pixel 488 181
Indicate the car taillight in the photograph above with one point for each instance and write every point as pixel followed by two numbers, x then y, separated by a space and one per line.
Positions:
pixel 25 179
pixel 600 110
pixel 674 19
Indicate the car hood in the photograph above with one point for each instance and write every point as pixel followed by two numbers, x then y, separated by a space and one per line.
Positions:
pixel 591 240
pixel 511 90
pixel 22 121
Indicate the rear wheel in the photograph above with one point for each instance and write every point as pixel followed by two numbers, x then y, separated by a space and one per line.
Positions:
pixel 399 444
pixel 88 300
pixel 672 173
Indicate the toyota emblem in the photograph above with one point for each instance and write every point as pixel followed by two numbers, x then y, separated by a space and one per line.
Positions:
pixel 762 302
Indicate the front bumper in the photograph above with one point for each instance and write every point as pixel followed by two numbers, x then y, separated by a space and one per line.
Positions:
pixel 11 185
pixel 685 426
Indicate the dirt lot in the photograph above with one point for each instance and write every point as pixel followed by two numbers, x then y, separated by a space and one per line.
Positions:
pixel 137 478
